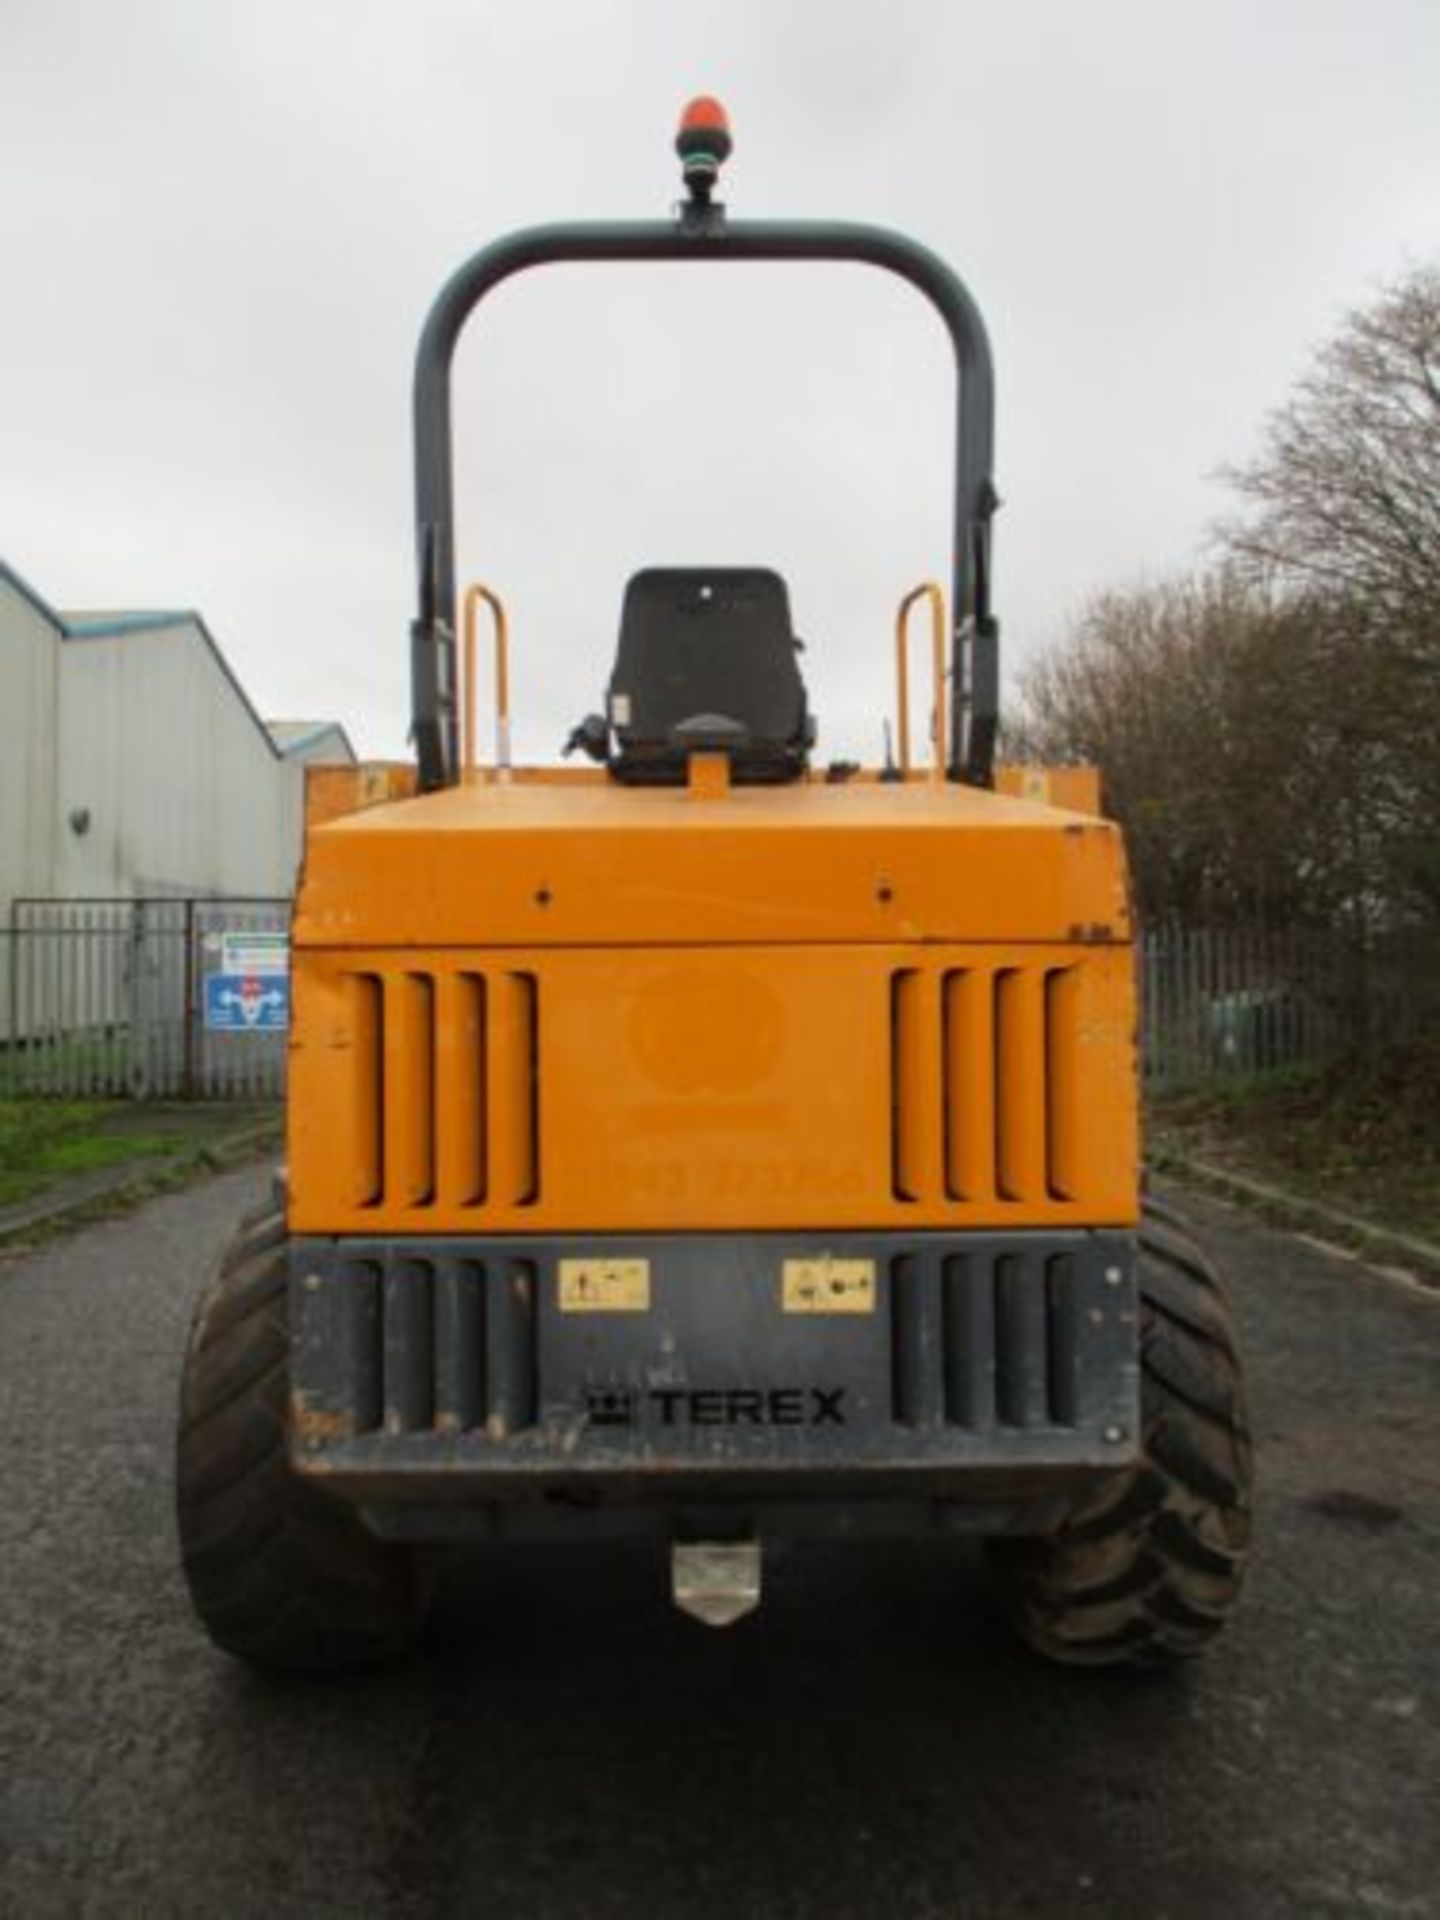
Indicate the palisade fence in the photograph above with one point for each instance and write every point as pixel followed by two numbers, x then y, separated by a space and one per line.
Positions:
pixel 130 997
pixel 148 998
pixel 1245 1000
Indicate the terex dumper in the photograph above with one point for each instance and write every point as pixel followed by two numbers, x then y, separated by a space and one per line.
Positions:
pixel 703 1142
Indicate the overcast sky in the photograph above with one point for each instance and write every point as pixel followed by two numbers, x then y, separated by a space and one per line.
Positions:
pixel 222 224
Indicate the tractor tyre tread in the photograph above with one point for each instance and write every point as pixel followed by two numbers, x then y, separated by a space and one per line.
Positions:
pixel 282 1575
pixel 1148 1570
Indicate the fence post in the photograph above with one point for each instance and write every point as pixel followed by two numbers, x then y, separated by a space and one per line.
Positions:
pixel 12 1051
pixel 137 1010
pixel 187 1087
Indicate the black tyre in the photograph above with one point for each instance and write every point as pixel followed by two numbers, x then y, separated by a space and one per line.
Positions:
pixel 280 1575
pixel 1148 1571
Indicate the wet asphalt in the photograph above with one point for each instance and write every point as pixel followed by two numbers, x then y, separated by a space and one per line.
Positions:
pixel 870 1743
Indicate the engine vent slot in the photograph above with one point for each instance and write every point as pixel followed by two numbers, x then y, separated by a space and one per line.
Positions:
pixel 914 1084
pixel 984 1341
pixel 365 1012
pixel 445 1086
pixel 985 1084
pixel 440 1346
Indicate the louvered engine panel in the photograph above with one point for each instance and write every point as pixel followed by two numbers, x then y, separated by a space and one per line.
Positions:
pixel 712 1089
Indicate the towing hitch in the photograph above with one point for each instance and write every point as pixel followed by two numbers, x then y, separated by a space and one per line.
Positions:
pixel 715 1582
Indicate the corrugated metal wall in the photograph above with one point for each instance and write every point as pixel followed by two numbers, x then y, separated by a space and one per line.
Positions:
pixel 177 783
pixel 29 679
pixel 132 762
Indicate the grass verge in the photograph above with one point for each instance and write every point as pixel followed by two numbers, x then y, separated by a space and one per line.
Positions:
pixel 44 1141
pixel 1365 1143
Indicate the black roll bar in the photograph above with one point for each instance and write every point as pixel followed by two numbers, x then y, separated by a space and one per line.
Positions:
pixel 704 234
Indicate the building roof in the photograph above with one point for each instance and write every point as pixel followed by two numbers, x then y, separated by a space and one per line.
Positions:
pixel 293 736
pixel 108 623
pixel 117 625
pixel 28 593
pixel 282 739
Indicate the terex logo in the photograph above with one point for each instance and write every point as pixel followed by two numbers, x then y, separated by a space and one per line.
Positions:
pixel 717 1406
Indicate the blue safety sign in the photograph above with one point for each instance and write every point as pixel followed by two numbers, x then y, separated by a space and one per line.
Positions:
pixel 247 1002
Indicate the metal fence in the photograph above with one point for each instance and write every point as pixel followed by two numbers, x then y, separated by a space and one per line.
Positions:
pixel 1243 1000
pixel 188 999
pixel 147 998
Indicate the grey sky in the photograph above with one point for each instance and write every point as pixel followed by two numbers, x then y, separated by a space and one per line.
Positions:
pixel 221 225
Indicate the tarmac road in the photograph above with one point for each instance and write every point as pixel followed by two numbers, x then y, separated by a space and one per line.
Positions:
pixel 870 1743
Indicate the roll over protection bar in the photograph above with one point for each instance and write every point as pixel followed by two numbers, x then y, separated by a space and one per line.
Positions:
pixel 701 232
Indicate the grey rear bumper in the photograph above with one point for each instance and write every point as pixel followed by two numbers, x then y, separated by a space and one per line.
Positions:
pixel 432 1376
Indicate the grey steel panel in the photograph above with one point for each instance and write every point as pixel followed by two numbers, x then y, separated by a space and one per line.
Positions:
pixel 982 1349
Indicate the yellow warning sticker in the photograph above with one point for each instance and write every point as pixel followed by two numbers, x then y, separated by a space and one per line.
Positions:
pixel 604 1286
pixel 828 1286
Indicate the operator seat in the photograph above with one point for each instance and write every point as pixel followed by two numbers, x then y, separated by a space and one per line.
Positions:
pixel 707 659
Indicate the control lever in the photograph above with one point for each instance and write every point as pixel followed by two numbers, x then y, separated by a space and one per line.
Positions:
pixel 591 737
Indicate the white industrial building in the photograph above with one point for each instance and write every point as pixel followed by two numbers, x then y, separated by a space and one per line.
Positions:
pixel 133 764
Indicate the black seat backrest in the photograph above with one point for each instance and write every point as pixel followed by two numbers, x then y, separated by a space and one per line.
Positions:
pixel 711 646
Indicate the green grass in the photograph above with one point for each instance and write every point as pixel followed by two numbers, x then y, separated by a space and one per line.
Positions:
pixel 42 1141
pixel 1364 1141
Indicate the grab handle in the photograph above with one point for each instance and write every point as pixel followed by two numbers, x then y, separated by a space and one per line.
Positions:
pixel 927 590
pixel 473 598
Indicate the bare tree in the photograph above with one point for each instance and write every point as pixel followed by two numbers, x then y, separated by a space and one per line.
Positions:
pixel 1269 732
pixel 1206 702
pixel 1346 487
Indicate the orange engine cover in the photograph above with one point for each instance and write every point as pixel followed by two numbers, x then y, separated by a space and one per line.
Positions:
pixel 577 1009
